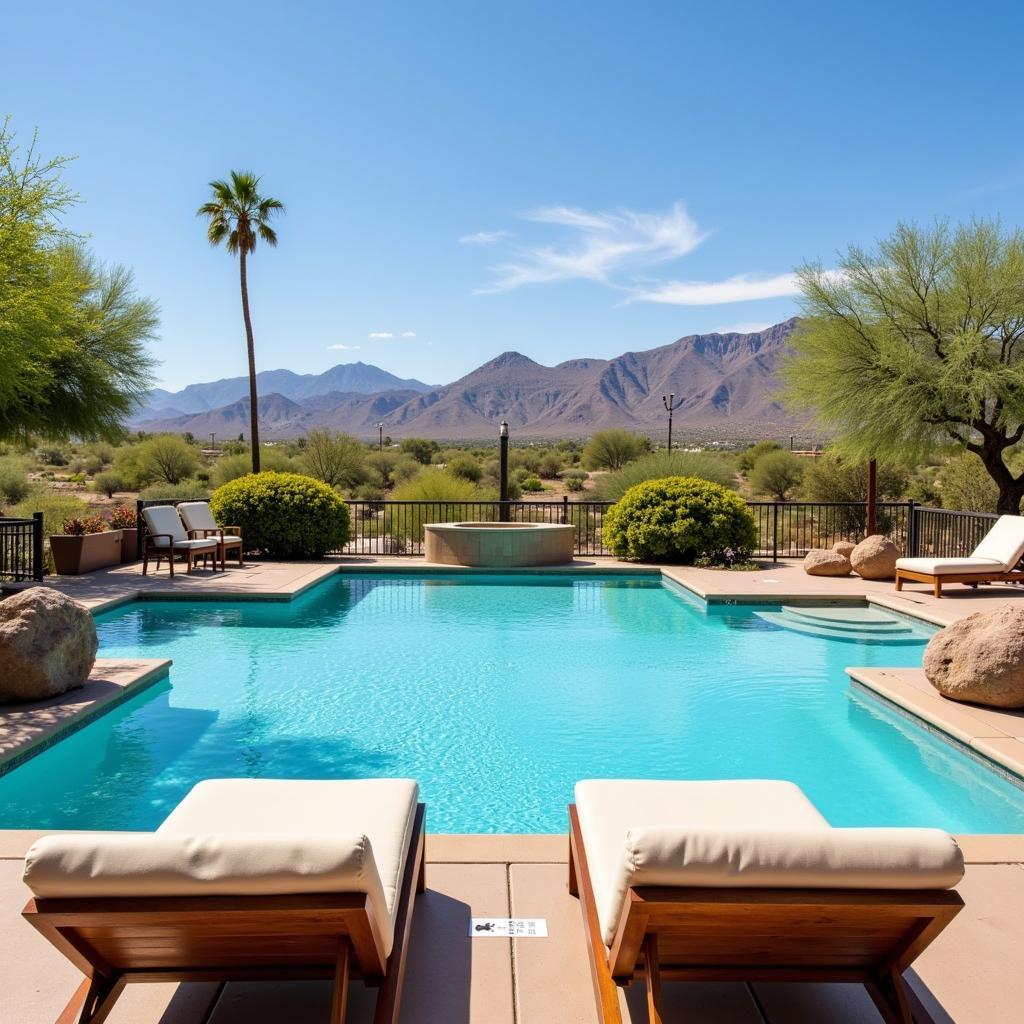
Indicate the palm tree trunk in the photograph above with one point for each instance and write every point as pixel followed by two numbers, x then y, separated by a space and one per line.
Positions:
pixel 254 424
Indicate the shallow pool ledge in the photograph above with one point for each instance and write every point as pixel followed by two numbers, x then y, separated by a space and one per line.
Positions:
pixel 995 734
pixel 26 729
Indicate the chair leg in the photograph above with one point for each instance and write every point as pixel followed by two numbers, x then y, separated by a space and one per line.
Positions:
pixel 574 887
pixel 653 976
pixel 899 582
pixel 339 999
pixel 93 1001
pixel 937 589
pixel 170 561
pixel 890 998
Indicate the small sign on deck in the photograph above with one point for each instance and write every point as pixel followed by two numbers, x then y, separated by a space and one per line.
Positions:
pixel 508 927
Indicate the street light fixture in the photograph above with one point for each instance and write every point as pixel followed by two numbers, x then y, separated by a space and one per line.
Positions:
pixel 380 433
pixel 671 405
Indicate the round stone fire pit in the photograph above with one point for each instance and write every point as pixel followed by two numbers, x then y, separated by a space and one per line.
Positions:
pixel 499 545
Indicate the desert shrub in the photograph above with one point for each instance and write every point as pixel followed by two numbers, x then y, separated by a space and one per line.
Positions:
pixel 128 463
pixel 284 515
pixel 777 474
pixel 231 467
pixel 829 478
pixel 532 485
pixel 109 482
pixel 430 484
pixel 14 484
pixel 466 467
pixel 523 458
pixel 185 490
pixel 168 457
pixel 612 449
pixel 336 459
pixel 575 483
pixel 51 455
pixel 55 506
pixel 680 519
pixel 963 483
pixel 747 458
pixel 662 464
pixel 392 468
pixel 420 449
pixel 550 466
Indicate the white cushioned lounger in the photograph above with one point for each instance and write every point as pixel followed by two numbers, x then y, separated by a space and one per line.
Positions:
pixel 673 859
pixel 257 840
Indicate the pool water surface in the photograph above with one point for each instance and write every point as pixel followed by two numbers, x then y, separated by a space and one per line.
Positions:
pixel 497 693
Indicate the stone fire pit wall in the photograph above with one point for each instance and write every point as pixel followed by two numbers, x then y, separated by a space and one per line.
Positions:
pixel 499 545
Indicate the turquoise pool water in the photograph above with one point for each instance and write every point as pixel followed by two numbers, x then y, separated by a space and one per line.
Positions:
pixel 498 693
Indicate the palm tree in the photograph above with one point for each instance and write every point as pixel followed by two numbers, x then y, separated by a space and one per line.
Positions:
pixel 238 215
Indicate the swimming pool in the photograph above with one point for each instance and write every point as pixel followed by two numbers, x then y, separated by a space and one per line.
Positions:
pixel 498 693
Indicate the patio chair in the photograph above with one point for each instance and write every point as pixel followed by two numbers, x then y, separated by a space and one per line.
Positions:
pixel 746 881
pixel 995 560
pixel 247 879
pixel 165 535
pixel 199 522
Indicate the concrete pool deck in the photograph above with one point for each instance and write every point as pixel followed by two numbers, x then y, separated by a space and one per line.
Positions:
pixel 970 975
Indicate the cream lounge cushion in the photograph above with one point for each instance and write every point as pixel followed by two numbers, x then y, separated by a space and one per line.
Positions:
pixel 247 837
pixel 163 519
pixel 196 516
pixel 1004 543
pixel 758 834
pixel 950 566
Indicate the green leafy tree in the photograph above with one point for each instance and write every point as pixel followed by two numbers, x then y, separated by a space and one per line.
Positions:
pixel 168 458
pixel 777 474
pixel 231 467
pixel 420 449
pixel 612 449
pixel 917 342
pixel 749 456
pixel 337 459
pixel 964 484
pixel 73 361
pixel 661 464
pixel 109 482
pixel 237 216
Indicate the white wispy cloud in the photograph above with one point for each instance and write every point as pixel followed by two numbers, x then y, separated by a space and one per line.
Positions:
pixel 739 288
pixel 408 334
pixel 600 244
pixel 379 335
pixel 744 327
pixel 342 348
pixel 484 237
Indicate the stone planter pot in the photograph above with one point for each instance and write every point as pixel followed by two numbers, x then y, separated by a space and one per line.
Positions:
pixel 74 555
pixel 129 540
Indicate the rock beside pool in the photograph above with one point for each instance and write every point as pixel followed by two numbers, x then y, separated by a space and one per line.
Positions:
pixel 874 558
pixel 980 659
pixel 820 562
pixel 844 547
pixel 47 645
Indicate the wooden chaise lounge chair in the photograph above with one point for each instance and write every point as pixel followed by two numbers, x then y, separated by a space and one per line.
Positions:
pixel 165 535
pixel 247 879
pixel 746 881
pixel 199 522
pixel 995 560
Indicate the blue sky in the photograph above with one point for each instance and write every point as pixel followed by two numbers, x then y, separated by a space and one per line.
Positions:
pixel 563 179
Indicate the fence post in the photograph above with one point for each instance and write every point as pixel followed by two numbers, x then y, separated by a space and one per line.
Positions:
pixel 139 527
pixel 37 546
pixel 912 528
pixel 565 508
pixel 775 531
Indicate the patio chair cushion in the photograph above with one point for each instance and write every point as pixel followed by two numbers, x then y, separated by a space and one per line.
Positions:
pixel 756 834
pixel 196 515
pixel 247 837
pixel 950 566
pixel 1004 543
pixel 164 519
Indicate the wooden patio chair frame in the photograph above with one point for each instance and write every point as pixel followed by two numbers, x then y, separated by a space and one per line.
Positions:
pixel 150 547
pixel 231 540
pixel 870 936
pixel 970 578
pixel 120 941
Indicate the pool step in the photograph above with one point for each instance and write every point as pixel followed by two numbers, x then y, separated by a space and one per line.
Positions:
pixel 867 633
pixel 848 618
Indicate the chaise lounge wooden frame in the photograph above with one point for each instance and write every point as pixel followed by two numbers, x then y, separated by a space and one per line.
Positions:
pixel 119 941
pixel 868 936
pixel 936 580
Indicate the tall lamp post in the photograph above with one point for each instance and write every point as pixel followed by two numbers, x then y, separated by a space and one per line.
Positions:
pixel 503 472
pixel 380 436
pixel 671 405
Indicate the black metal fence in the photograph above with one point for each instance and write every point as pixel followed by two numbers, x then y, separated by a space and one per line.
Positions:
pixel 21 549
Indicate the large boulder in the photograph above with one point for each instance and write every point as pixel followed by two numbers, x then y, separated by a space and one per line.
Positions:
pixel 844 547
pixel 874 558
pixel 47 645
pixel 980 659
pixel 819 562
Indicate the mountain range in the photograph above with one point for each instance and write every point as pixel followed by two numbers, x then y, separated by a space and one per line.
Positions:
pixel 724 384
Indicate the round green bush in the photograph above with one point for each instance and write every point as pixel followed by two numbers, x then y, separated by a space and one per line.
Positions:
pixel 283 515
pixel 680 519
